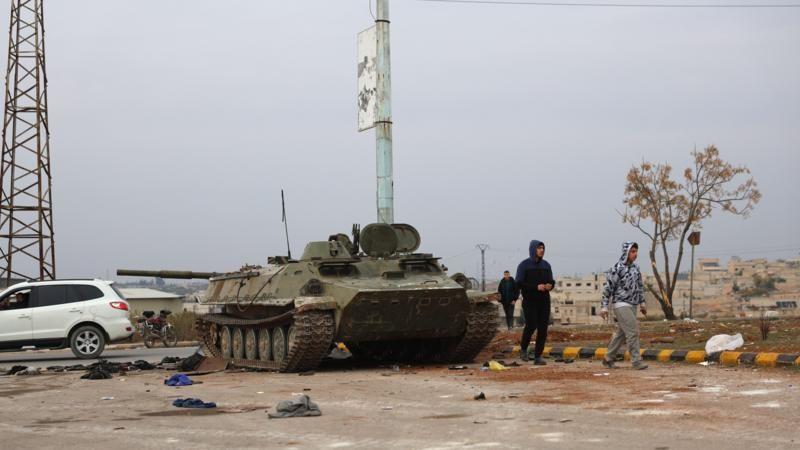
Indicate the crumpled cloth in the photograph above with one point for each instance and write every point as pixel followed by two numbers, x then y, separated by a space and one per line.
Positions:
pixel 143 365
pixel 178 379
pixel 97 373
pixel 193 403
pixel 300 406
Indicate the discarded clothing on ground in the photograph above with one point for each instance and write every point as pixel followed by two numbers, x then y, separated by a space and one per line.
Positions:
pixel 300 406
pixel 170 360
pixel 143 365
pixel 15 369
pixel 97 373
pixel 191 363
pixel 178 379
pixel 193 403
pixel 108 366
pixel 29 371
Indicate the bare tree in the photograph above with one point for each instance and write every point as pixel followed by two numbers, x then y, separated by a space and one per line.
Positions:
pixel 666 210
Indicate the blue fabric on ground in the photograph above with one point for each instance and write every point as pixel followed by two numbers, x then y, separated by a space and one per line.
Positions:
pixel 193 403
pixel 178 379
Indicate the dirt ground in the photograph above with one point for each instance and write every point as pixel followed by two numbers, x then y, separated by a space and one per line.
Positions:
pixel 579 405
pixel 784 336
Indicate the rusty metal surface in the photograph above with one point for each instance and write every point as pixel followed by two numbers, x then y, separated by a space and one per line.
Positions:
pixel 26 208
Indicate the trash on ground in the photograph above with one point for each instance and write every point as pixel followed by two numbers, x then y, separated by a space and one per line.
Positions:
pixel 496 366
pixel 565 420
pixel 457 367
pixel 724 342
pixel 97 373
pixel 191 363
pixel 178 379
pixel 106 398
pixel 604 374
pixel 143 365
pixel 387 408
pixel 480 396
pixel 690 320
pixel 192 403
pixel 480 422
pixel 705 363
pixel 300 406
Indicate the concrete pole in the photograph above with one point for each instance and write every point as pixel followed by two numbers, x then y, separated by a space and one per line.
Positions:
pixel 483 248
pixel 383 124
pixel 691 286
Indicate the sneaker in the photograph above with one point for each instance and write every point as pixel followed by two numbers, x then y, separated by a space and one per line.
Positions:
pixel 639 365
pixel 608 364
pixel 523 354
pixel 539 362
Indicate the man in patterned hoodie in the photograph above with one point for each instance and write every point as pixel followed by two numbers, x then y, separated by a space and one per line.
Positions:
pixel 624 291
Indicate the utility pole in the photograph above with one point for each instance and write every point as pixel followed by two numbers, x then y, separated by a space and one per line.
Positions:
pixel 694 241
pixel 27 244
pixel 483 248
pixel 383 122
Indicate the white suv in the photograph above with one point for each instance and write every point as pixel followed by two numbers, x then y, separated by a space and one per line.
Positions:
pixel 81 314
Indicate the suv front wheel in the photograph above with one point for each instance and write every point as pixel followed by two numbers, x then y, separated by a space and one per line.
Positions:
pixel 87 342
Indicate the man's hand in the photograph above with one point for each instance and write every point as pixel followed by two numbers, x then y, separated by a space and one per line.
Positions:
pixel 643 309
pixel 541 287
pixel 548 286
pixel 604 314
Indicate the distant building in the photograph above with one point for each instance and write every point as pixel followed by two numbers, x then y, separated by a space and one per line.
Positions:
pixel 145 299
pixel 576 300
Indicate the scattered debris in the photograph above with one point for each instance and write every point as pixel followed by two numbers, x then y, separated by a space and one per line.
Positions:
pixel 387 408
pixel 457 367
pixel 565 420
pixel 705 363
pixel 604 374
pixel 192 403
pixel 724 342
pixel 29 371
pixel 496 366
pixel 480 422
pixel 480 396
pixel 191 363
pixel 106 398
pixel 97 373
pixel 178 379
pixel 300 406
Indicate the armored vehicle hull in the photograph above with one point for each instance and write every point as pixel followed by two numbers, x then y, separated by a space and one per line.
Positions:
pixel 384 303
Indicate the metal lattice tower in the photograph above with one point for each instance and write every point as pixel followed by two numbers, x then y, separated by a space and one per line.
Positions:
pixel 27 248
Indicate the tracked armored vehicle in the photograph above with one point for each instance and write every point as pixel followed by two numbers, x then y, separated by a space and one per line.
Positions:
pixel 373 293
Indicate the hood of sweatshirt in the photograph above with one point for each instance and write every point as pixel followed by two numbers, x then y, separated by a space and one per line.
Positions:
pixel 532 250
pixel 626 248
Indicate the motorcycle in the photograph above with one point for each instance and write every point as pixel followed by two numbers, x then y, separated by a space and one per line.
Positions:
pixel 153 328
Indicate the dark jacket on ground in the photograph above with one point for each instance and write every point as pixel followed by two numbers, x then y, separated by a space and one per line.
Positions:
pixel 508 290
pixel 531 273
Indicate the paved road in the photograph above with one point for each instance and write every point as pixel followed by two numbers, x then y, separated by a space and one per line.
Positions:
pixel 44 358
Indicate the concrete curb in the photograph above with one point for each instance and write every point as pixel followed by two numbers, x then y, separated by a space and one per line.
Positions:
pixel 762 359
pixel 141 345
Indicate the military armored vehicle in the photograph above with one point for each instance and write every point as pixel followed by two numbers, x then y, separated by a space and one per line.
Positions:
pixel 373 293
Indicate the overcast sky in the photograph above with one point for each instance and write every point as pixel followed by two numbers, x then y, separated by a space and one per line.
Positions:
pixel 176 123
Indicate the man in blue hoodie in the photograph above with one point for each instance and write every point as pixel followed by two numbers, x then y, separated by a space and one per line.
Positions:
pixel 535 280
pixel 624 291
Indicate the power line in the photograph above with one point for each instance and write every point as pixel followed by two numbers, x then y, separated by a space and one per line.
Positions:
pixel 621 5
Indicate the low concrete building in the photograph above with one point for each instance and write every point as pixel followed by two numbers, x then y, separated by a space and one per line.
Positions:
pixel 145 299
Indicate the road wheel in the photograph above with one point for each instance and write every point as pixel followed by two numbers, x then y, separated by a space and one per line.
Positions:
pixel 170 337
pixel 278 345
pixel 264 344
pixel 87 342
pixel 238 343
pixel 225 342
pixel 291 335
pixel 251 344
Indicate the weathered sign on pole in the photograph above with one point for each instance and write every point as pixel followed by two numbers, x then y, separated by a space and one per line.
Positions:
pixel 367 79
pixel 375 104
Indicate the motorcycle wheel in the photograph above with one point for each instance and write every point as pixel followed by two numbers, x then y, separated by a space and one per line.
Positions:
pixel 149 341
pixel 170 337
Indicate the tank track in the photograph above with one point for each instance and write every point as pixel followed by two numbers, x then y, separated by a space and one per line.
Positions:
pixel 482 324
pixel 313 339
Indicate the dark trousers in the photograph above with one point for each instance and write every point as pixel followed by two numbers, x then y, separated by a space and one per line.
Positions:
pixel 537 318
pixel 508 308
